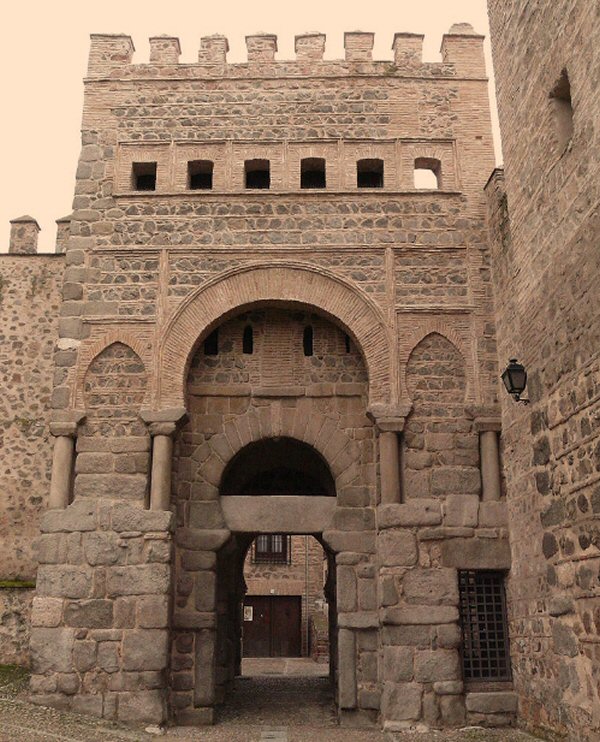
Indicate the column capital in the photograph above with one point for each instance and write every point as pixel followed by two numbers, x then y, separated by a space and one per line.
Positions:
pixel 485 417
pixel 389 418
pixel 66 422
pixel 487 424
pixel 164 422
pixel 166 428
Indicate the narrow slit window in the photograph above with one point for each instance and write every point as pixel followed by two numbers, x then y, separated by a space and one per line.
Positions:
pixel 428 174
pixel 200 175
pixel 307 340
pixel 562 111
pixel 143 176
pixel 257 173
pixel 312 172
pixel 211 344
pixel 248 341
pixel 347 343
pixel 369 173
pixel 485 649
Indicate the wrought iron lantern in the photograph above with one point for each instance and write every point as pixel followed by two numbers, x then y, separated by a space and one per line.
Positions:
pixel 514 377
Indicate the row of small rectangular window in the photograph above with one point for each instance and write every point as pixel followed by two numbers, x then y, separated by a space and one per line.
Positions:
pixel 211 344
pixel 257 174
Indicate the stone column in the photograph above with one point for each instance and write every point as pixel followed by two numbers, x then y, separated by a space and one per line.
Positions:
pixel 162 460
pixel 389 466
pixel 162 424
pixel 489 457
pixel 63 459
pixel 390 424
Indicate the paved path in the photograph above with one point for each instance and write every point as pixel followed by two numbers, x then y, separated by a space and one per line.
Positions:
pixel 275 701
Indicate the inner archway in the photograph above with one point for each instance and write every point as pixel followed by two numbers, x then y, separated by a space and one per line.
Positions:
pixel 277 446
pixel 277 466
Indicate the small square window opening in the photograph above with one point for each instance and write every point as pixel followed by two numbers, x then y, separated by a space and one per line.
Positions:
pixel 369 173
pixel 143 176
pixel 312 172
pixel 200 175
pixel 257 173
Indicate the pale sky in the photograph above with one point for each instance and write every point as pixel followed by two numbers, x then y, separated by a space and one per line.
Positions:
pixel 43 58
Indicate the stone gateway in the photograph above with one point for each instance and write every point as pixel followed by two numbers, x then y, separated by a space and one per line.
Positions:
pixel 277 318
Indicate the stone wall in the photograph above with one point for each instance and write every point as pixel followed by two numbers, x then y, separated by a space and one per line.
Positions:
pixel 29 312
pixel 546 264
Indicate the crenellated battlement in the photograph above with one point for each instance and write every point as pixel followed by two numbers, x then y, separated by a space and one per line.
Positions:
pixel 24 232
pixel 111 55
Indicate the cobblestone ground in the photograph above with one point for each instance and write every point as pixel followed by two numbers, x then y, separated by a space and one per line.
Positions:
pixel 281 701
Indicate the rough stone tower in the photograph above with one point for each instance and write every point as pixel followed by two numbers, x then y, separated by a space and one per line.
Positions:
pixel 251 267
pixel 546 268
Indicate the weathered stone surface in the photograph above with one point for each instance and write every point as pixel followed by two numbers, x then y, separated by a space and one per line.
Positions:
pixel 431 586
pixel 397 548
pixel 436 665
pixel 359 620
pixel 493 514
pixel 356 541
pixel 346 588
pixel 476 553
pixel 138 580
pixel 89 614
pixel 142 707
pixel 126 518
pixel 153 611
pixel 398 663
pixel 448 687
pixel 460 481
pixel 51 650
pixel 564 639
pixel 46 612
pixel 492 702
pixel 145 649
pixel 201 540
pixel 401 701
pixel 79 516
pixel 101 548
pixel 414 513
pixel 205 591
pixel 64 581
pixel 432 614
pixel 452 709
pixel 461 510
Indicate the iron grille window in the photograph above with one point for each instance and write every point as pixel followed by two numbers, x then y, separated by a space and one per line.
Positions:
pixel 485 651
pixel 272 548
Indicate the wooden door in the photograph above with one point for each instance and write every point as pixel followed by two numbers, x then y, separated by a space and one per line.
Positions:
pixel 272 626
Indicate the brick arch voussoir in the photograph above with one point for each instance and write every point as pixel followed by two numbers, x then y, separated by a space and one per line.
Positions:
pixel 340 456
pixel 89 352
pixel 293 283
pixel 435 327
